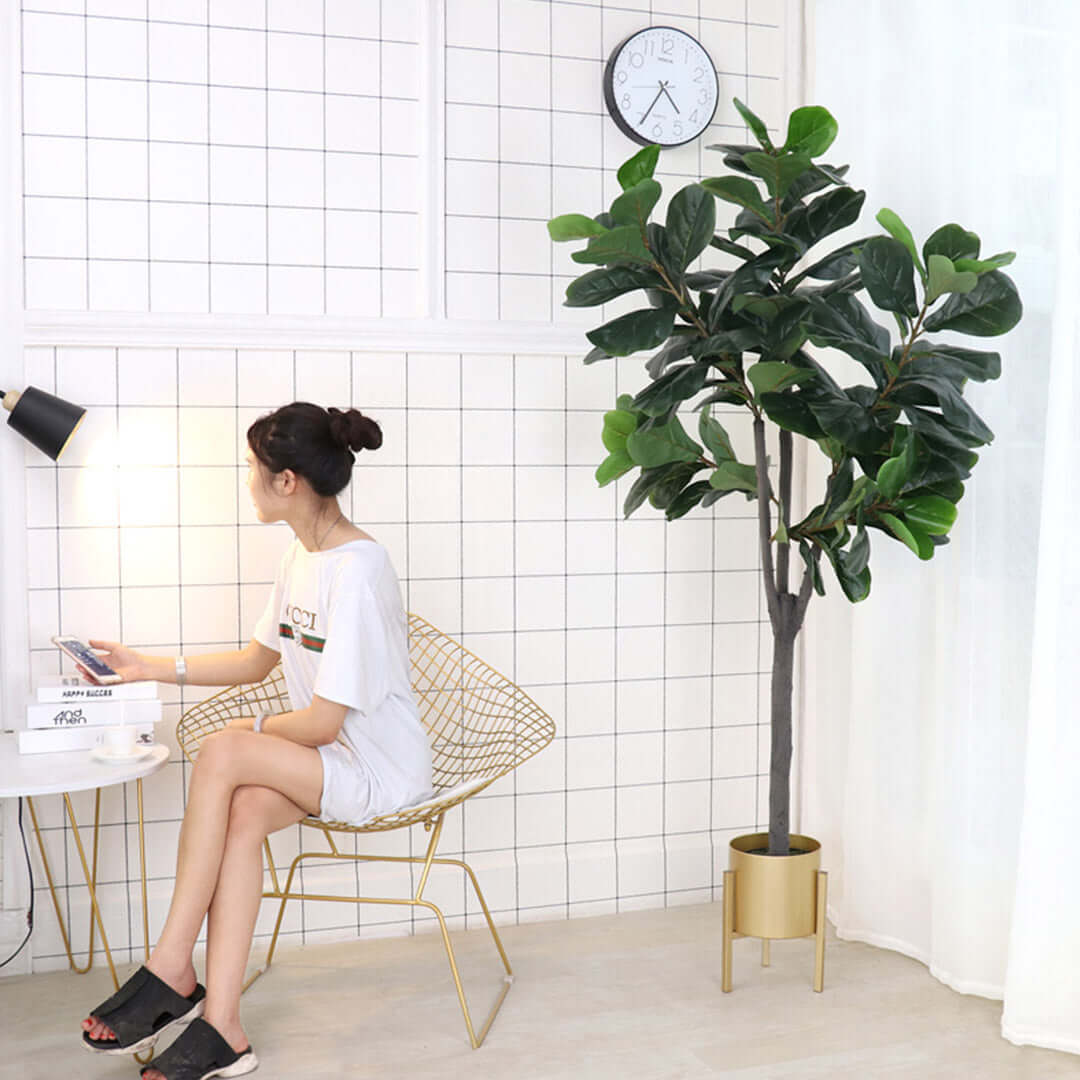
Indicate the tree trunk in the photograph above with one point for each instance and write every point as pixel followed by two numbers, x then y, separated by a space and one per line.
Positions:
pixel 780 764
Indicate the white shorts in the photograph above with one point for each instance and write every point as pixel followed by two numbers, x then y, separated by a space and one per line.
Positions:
pixel 348 794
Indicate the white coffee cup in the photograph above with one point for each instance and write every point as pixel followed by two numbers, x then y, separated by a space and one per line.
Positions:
pixel 120 740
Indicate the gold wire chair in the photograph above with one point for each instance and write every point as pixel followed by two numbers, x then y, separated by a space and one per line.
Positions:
pixel 481 727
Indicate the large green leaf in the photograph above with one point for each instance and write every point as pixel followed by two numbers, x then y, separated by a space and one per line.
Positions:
pixel 731 476
pixel 958 413
pixel 828 213
pixel 715 437
pixel 574 227
pixel 942 277
pixel 744 193
pixel 930 514
pixel 672 482
pixel 951 362
pixel 662 444
pixel 841 322
pixel 621 245
pixel 981 266
pixel 952 241
pixel 811 131
pixel 791 412
pixel 814 179
pixel 618 424
pixel 691 222
pixel 600 286
pixel 890 221
pixel 837 264
pixel 634 331
pixel 889 275
pixel 849 422
pixel 918 541
pixel 779 171
pixel 616 464
pixel 672 388
pixel 640 167
pixel 634 205
pixel 768 376
pixel 675 348
pixel 993 307
pixel 687 499
pixel 897 470
pixel 755 124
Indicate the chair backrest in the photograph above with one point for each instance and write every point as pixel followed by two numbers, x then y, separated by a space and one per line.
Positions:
pixel 481 725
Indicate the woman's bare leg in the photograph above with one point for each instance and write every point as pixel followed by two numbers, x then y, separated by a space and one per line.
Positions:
pixel 227 760
pixel 255 812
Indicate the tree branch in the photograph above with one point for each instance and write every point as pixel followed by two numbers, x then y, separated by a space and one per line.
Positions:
pixel 806 590
pixel 764 492
pixel 783 551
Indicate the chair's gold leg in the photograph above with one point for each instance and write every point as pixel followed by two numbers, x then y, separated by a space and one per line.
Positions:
pixel 490 921
pixel 285 897
pixel 729 920
pixel 90 882
pixel 429 855
pixel 764 952
pixel 476 1041
pixel 819 951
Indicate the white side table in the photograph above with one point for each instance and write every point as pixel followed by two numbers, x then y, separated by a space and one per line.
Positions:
pixel 29 775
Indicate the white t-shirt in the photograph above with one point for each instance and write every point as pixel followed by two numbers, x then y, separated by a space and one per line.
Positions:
pixel 337 619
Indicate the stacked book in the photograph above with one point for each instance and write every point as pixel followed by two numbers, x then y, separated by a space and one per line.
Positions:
pixel 70 714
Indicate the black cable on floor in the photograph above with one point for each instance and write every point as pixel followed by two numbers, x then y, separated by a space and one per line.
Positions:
pixel 30 876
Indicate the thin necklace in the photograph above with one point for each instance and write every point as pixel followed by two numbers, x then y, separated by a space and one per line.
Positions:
pixel 319 544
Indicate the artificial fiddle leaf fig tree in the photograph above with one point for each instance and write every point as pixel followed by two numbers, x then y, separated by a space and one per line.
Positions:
pixel 900 446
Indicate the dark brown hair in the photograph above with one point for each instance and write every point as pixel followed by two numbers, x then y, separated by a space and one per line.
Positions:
pixel 315 443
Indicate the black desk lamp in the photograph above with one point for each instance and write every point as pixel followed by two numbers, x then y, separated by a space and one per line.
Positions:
pixel 46 421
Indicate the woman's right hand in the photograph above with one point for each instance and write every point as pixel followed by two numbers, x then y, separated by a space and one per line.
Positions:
pixel 125 662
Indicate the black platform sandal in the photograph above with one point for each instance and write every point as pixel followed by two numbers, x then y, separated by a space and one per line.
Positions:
pixel 200 1054
pixel 141 1011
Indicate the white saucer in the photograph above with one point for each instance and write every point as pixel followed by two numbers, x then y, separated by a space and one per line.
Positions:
pixel 116 757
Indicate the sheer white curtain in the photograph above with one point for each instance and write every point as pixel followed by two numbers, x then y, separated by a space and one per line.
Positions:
pixel 940 745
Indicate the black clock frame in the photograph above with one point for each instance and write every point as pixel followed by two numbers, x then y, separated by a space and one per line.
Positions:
pixel 609 89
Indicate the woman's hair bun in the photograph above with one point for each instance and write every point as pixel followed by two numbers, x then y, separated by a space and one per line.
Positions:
pixel 351 429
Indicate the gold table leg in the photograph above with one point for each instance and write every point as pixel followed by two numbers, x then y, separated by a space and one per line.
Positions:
pixel 765 952
pixel 90 877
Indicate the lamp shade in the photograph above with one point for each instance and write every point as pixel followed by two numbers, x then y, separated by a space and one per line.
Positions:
pixel 46 421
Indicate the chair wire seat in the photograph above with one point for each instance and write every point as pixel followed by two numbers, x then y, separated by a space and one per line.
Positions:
pixel 481 726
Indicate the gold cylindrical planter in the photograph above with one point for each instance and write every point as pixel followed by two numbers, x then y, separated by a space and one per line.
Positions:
pixel 781 896
pixel 774 894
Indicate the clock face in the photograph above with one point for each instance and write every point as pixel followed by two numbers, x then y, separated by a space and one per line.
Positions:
pixel 661 87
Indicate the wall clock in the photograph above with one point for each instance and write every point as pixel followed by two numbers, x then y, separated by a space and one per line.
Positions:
pixel 660 86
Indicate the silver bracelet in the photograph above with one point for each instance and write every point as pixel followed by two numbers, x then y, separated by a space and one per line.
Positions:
pixel 181 671
pixel 259 718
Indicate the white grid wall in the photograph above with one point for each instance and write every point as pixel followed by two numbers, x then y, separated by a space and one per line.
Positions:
pixel 528 137
pixel 221 156
pixel 266 157
pixel 644 640
pixel 226 191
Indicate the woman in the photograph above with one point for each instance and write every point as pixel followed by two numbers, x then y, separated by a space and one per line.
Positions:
pixel 351 748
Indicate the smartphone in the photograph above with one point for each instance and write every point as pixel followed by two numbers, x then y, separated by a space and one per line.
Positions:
pixel 84 656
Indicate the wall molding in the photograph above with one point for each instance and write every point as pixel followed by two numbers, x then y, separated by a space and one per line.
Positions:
pixel 298 332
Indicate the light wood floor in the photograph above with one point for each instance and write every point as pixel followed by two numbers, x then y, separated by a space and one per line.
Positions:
pixel 635 995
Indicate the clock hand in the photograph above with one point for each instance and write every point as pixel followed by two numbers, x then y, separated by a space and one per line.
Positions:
pixel 651 104
pixel 670 98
